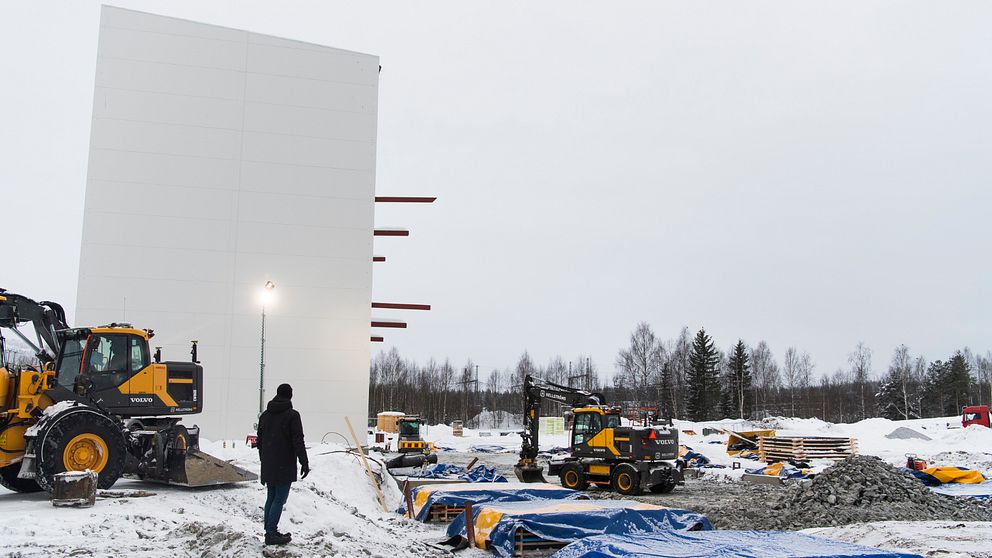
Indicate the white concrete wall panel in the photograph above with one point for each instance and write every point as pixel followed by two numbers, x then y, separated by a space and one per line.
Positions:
pixel 220 159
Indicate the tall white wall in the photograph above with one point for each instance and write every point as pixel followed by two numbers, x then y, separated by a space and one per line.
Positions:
pixel 221 159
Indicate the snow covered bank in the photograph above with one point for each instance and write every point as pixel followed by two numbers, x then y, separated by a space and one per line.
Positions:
pixel 334 511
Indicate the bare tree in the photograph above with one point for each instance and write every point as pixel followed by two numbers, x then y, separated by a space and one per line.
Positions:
pixel 860 361
pixel 805 377
pixel 641 362
pixel 901 370
pixel 765 372
pixel 791 367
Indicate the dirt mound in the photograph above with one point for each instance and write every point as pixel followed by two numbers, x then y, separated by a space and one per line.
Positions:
pixel 855 490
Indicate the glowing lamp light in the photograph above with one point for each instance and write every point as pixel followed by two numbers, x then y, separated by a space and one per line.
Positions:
pixel 266 294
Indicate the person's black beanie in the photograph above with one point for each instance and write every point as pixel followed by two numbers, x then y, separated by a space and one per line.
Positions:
pixel 285 390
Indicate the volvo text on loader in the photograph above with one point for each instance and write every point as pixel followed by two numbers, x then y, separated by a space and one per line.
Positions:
pixel 99 401
pixel 627 459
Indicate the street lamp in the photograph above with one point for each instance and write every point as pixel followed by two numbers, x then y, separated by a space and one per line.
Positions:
pixel 266 297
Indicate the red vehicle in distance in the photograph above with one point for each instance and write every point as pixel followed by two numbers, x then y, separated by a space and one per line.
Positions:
pixel 976 414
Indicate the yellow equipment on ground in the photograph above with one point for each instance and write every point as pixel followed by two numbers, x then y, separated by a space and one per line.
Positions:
pixel 98 400
pixel 738 442
pixel 409 435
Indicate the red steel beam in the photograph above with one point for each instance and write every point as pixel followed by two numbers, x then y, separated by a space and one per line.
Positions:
pixel 401 306
pixel 388 323
pixel 404 199
pixel 376 339
pixel 390 232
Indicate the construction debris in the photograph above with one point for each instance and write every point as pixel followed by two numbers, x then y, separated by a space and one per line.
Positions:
pixel 75 489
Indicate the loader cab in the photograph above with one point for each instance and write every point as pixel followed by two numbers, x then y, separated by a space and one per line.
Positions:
pixel 113 365
pixel 99 359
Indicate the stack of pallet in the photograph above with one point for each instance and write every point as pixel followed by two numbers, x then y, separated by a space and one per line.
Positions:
pixel 804 448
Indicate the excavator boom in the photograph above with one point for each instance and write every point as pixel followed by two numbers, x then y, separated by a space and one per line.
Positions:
pixel 535 392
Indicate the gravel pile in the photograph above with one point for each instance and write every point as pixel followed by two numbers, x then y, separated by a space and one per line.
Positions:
pixel 855 490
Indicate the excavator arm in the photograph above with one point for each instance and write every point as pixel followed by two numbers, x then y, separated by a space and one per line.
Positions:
pixel 535 392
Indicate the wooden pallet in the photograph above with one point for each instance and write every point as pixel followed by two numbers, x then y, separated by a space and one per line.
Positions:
pixel 441 512
pixel 525 541
pixel 804 448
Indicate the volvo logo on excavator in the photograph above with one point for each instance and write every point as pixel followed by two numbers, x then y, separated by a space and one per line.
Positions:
pixel 142 400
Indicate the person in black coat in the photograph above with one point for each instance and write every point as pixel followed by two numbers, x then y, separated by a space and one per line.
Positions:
pixel 280 445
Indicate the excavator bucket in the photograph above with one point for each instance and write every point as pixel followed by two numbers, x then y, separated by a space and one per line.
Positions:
pixel 531 472
pixel 201 469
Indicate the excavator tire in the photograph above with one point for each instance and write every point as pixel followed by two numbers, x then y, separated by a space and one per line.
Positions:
pixel 572 476
pixel 79 440
pixel 9 480
pixel 626 480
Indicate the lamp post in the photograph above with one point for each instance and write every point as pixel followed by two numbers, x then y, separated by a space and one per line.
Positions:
pixel 266 297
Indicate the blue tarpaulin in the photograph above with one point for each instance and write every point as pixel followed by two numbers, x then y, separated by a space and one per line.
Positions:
pixel 719 544
pixel 455 495
pixel 479 473
pixel 496 524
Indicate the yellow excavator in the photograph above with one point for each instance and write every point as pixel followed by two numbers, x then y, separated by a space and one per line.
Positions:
pixel 602 452
pixel 97 400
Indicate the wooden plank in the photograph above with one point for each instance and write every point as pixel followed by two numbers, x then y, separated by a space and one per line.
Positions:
pixel 368 470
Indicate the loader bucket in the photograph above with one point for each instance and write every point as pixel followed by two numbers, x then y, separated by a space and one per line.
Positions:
pixel 201 469
pixel 529 473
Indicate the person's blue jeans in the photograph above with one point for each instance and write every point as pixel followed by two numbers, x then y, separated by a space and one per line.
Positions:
pixel 276 499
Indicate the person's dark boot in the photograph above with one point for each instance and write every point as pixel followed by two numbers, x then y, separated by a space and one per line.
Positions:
pixel 276 538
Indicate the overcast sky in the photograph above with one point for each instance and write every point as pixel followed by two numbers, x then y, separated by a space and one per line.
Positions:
pixel 808 173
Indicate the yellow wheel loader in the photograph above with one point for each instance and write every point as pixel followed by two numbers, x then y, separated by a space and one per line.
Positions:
pixel 99 401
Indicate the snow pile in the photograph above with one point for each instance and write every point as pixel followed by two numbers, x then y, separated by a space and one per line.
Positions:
pixel 855 490
pixel 334 511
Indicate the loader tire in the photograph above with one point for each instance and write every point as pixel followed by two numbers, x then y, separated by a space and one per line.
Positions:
pixel 78 441
pixel 626 480
pixel 9 480
pixel 572 476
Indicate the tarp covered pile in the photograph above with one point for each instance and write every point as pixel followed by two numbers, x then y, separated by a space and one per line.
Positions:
pixel 719 544
pixel 456 495
pixel 497 524
pixel 936 476
pixel 955 481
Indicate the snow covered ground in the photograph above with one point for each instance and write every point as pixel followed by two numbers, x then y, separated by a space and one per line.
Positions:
pixel 333 512
pixel 949 445
pixel 933 539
